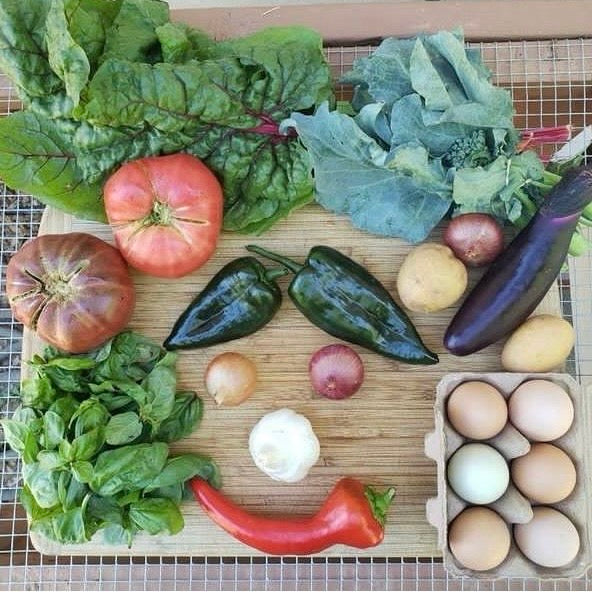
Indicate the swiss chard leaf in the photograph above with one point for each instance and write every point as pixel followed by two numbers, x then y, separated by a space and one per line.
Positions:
pixel 37 157
pixel 66 58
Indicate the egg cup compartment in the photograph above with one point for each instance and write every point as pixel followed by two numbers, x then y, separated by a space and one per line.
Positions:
pixel 512 506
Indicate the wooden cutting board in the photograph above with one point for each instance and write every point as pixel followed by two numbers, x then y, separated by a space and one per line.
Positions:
pixel 376 436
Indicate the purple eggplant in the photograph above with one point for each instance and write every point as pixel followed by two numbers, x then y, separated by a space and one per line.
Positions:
pixel 521 275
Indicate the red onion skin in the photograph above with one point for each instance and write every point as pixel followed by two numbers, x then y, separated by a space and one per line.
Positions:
pixel 476 239
pixel 336 371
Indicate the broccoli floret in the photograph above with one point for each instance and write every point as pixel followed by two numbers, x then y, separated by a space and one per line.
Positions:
pixel 468 152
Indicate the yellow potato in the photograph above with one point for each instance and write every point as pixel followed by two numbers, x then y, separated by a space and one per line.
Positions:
pixel 540 344
pixel 431 278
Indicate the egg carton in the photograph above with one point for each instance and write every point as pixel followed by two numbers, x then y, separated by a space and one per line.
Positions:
pixel 513 507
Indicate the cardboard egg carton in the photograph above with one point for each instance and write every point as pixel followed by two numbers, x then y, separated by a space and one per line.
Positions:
pixel 512 506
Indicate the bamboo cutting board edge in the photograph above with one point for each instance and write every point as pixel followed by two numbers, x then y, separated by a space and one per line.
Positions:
pixel 394 440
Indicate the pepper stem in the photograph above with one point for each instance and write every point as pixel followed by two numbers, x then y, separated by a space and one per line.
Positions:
pixel 277 272
pixel 285 261
pixel 379 502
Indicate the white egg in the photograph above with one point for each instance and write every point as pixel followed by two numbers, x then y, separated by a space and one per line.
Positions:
pixel 478 473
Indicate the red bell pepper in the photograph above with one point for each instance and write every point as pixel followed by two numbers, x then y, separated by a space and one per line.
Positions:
pixel 353 514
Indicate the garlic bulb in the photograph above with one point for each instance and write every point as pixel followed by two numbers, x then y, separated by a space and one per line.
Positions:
pixel 284 446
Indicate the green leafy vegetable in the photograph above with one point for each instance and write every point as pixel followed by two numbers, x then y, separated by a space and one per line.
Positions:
pixel 123 428
pixel 111 81
pixel 426 110
pixel 93 433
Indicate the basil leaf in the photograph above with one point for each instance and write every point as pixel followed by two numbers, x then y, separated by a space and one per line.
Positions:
pixel 186 414
pixel 72 363
pixel 82 471
pixel 65 407
pixel 88 444
pixel 36 157
pixel 181 468
pixel 33 509
pixel 20 438
pixel 160 385
pixel 156 515
pixel 91 414
pixel 54 429
pixel 123 428
pixel 49 460
pixel 129 467
pixel 173 492
pixel 104 509
pixel 69 526
pixel 42 484
pixel 37 392
pixel 72 492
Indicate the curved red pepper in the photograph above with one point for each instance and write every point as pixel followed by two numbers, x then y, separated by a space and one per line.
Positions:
pixel 352 514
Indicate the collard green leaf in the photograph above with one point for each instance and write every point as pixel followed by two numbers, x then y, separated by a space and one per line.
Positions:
pixel 128 467
pixel 155 515
pixel 36 157
pixel 493 189
pixel 186 414
pixel 398 194
pixel 123 428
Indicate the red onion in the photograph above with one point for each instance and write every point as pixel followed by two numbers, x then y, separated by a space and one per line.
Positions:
pixel 336 371
pixel 476 239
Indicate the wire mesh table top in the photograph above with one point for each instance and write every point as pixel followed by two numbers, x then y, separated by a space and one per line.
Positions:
pixel 550 81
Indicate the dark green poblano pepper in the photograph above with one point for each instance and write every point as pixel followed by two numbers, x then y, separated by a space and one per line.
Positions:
pixel 240 299
pixel 343 299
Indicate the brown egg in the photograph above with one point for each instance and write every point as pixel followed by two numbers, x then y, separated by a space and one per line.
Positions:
pixel 541 410
pixel 550 539
pixel 479 539
pixel 477 410
pixel 545 475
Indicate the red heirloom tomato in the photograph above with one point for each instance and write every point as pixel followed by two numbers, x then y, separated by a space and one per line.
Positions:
pixel 73 289
pixel 166 213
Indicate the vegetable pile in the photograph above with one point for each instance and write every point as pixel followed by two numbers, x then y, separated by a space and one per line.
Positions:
pixel 429 135
pixel 106 81
pixel 93 433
